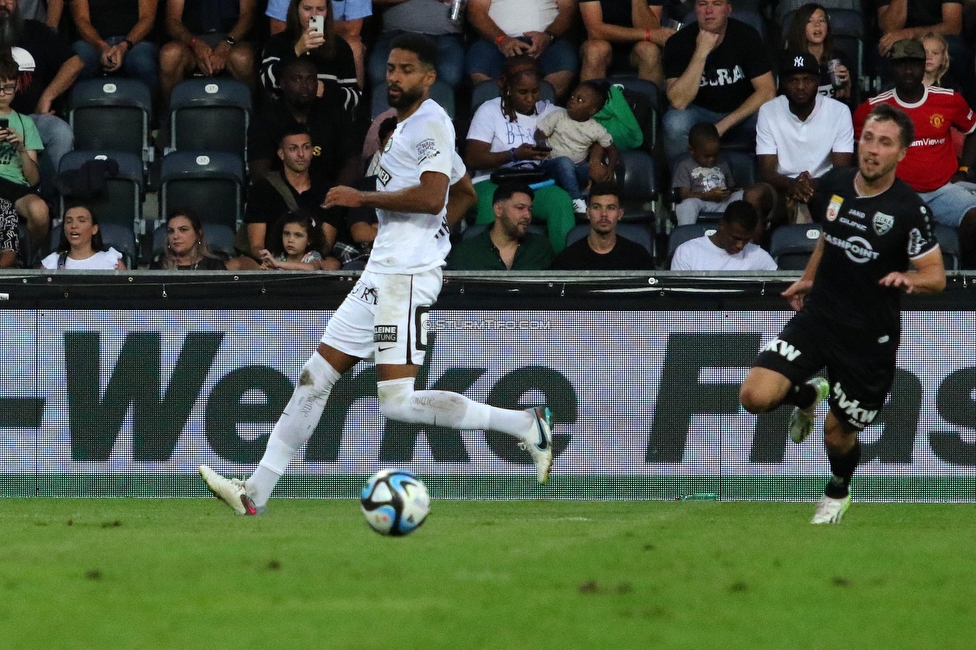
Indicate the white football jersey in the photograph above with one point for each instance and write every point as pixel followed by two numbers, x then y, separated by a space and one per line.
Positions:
pixel 410 242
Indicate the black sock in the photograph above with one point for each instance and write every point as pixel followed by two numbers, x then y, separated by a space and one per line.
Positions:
pixel 842 468
pixel 801 395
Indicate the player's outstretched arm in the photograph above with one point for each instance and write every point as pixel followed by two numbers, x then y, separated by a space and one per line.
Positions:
pixel 428 197
pixel 928 276
pixel 797 291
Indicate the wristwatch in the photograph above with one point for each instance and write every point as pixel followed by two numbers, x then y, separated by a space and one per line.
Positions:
pixel 230 40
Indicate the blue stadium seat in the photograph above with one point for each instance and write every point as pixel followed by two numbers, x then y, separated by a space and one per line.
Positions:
pixel 636 233
pixel 489 89
pixel 210 115
pixel 637 177
pixel 948 240
pixel 681 234
pixel 791 246
pixel 785 7
pixel 440 92
pixel 210 182
pixel 112 114
pixel 122 206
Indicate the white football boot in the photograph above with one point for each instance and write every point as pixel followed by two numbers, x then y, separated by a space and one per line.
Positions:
pixel 830 511
pixel 541 452
pixel 229 490
pixel 801 421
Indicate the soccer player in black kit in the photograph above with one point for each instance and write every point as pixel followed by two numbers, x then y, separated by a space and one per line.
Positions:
pixel 847 302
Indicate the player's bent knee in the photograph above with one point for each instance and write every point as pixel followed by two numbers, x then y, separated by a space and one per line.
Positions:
pixel 393 396
pixel 317 375
pixel 756 400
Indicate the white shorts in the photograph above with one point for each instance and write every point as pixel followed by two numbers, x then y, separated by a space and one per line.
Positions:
pixel 384 317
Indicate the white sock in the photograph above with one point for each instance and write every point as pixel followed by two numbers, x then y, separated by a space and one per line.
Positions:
pixel 399 401
pixel 294 427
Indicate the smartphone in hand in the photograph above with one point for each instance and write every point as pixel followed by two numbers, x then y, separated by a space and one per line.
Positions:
pixel 316 24
pixel 4 123
pixel 542 147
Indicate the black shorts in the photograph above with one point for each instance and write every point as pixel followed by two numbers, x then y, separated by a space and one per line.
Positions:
pixel 860 369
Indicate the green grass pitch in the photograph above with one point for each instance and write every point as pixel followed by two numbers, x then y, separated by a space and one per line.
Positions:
pixel 79 573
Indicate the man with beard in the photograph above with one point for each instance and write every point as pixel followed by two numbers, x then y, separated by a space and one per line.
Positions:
pixel 801 134
pixel 292 189
pixel 876 227
pixel 47 68
pixel 930 166
pixel 507 245
pixel 603 249
pixel 385 315
pixel 335 148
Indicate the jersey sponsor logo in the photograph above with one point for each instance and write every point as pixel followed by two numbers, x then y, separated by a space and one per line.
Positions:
pixel 857 213
pixel 723 77
pixel 427 149
pixel 857 249
pixel 928 142
pixel 882 222
pixel 384 334
pixel 852 407
pixel 915 242
pixel 853 224
pixel 937 120
pixel 782 348
pixel 364 293
pixel 383 176
pixel 834 208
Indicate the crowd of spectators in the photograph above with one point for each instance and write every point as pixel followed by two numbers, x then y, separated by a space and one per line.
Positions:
pixel 786 96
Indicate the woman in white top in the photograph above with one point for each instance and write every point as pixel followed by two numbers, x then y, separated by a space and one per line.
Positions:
pixel 502 133
pixel 81 244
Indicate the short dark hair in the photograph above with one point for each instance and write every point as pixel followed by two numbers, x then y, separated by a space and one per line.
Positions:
pixel 505 191
pixel 742 213
pixel 8 67
pixel 422 46
pixel 296 128
pixel 702 133
pixel 601 87
pixel 274 238
pixel 300 62
pixel 887 113
pixel 603 188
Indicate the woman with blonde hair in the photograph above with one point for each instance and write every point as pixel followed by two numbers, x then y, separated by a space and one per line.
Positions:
pixel 936 58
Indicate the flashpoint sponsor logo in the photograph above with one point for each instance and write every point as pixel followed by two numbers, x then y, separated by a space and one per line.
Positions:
pixel 853 407
pixel 858 249
pixel 782 348
pixel 493 324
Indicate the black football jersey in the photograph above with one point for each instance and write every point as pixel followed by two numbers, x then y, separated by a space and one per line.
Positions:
pixel 865 239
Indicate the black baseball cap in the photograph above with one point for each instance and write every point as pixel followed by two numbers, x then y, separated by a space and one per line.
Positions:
pixel 799 62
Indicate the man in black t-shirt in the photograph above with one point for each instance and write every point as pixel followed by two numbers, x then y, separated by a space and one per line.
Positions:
pixel 716 71
pixel 875 226
pixel 336 145
pixel 603 249
pixel 267 202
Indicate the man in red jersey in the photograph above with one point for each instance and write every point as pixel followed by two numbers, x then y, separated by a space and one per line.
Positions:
pixel 930 167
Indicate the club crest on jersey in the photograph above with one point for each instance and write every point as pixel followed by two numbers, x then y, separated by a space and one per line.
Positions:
pixel 833 209
pixel 883 222
pixel 383 176
pixel 937 120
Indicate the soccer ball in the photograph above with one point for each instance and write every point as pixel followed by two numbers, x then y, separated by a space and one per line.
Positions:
pixel 395 502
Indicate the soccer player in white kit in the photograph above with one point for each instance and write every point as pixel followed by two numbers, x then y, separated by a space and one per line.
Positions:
pixel 384 315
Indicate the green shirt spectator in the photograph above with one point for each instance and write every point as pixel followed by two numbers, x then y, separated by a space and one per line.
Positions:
pixel 479 253
pixel 11 165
